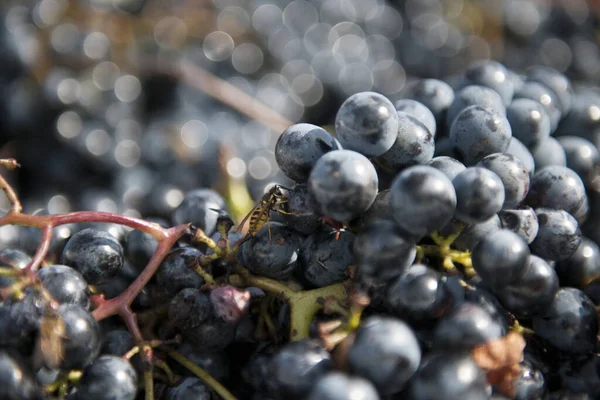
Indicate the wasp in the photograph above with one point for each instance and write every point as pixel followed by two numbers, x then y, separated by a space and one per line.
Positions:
pixel 50 343
pixel 259 215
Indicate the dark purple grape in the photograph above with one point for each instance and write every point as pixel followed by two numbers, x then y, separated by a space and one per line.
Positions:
pixel 418 111
pixel 518 149
pixel 556 187
pixel 522 221
pixel 533 293
pixel 65 285
pixel 451 375
pixel 16 383
pixel 472 234
pixel 549 152
pixel 582 157
pixel 82 339
pixel 479 194
pixel 198 208
pixel 325 257
pixel 466 327
pixel 580 375
pixel 419 294
pixel 414 145
pixel 380 209
pixel 117 343
pixel 501 258
pixel 583 120
pixel 529 121
pixel 190 388
pixel 293 370
pixel 582 267
pixel 367 122
pixel 530 383
pixel 543 95
pixel 435 94
pixel 272 252
pixel 513 174
pixel 558 236
pixel 556 81
pixel 491 74
pixel 477 132
pixel 12 258
pixel 300 146
pixel 108 377
pixel 570 324
pixel 300 215
pixel 423 200
pixel 96 254
pixel 176 273
pixel 343 184
pixel 140 246
pixel 448 165
pixel 474 95
pixel 386 352
pixel 338 386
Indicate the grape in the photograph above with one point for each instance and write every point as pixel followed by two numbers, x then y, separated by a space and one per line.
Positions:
pixel 549 152
pixel 343 184
pixel 325 258
pixel 478 131
pixel 558 236
pixel 570 323
pixel 518 149
pixel 454 375
pixel 15 259
pixel 513 174
pixel 491 74
pixel 189 388
pixel 479 194
pixel 140 246
pixel 65 285
pixel 15 382
pixel 543 95
pixel 337 386
pixel 418 111
pixel 82 339
pixel 501 258
pixel 474 233
pixel 435 94
pixel 96 254
pixel 582 156
pixel 108 377
pixel 414 145
pixel 367 122
pixel 556 81
pixel 423 200
pixel 300 212
pixel 117 343
pixel 581 267
pixel 529 121
pixel 380 209
pixel 176 271
pixel 531 383
pixel 556 187
pixel 300 146
pixel 522 221
pixel 198 208
pixel 386 352
pixel 448 165
pixel 293 370
pixel 474 95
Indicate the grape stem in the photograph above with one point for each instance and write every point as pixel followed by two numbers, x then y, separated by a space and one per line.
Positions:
pixel 203 375
pixel 149 384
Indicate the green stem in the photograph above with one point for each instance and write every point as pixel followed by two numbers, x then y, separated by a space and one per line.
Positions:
pixel 167 370
pixel 5 271
pixel 149 385
pixel 208 278
pixel 202 374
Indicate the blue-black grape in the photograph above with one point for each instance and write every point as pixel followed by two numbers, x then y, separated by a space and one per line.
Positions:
pixel 414 145
pixel 140 246
pixel 423 200
pixel 65 285
pixel 582 157
pixel 543 95
pixel 15 259
pixel 570 324
pixel 518 149
pixel 435 94
pixel 533 293
pixel 380 209
pixel 513 174
pixel 558 236
pixel 448 165
pixel 582 267
pixel 474 95
pixel 190 388
pixel 96 254
pixel 474 233
pixel 198 208
pixel 273 251
pixel 386 352
pixel 522 221
pixel 325 257
pixel 549 152
pixel 419 111
pixel 300 146
pixel 556 81
pixel 466 327
pixel 580 375
pixel 491 74
pixel 501 258
pixel 343 184
pixel 300 214
pixel 16 382
pixel 556 187
pixel 478 131
pixel 82 339
pixel 338 386
pixel 367 122
pixel 529 121
pixel 107 378
pixel 530 384
pixel 449 375
pixel 479 194
pixel 293 370
pixel 176 271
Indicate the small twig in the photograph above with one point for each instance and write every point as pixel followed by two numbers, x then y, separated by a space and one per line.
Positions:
pixel 203 375
pixel 149 384
pixel 15 203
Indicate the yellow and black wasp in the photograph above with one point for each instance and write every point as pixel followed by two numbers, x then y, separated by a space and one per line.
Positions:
pixel 259 215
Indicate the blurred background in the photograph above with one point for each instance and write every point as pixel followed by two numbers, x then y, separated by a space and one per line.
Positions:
pixel 125 105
